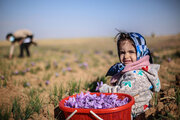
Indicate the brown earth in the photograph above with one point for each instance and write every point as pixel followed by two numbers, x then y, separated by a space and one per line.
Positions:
pixel 99 54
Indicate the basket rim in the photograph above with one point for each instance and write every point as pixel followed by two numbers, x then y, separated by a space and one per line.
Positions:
pixel 85 110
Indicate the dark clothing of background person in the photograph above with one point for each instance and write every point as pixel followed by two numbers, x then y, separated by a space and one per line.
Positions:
pixel 25 46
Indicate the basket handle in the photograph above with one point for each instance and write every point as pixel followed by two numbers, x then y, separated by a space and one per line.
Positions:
pixel 95 115
pixel 71 115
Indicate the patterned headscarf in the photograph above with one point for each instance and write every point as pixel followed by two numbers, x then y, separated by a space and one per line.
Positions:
pixel 141 50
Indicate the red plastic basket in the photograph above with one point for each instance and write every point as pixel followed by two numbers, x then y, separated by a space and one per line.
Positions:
pixel 118 113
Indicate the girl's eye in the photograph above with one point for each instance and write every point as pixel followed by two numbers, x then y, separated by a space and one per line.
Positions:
pixel 132 52
pixel 122 52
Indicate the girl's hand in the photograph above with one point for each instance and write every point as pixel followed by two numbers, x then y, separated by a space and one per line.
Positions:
pixel 115 78
pixel 99 85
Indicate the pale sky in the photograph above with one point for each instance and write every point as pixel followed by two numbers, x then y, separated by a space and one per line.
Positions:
pixel 89 18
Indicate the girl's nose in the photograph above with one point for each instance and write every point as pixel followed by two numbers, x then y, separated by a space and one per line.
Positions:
pixel 126 55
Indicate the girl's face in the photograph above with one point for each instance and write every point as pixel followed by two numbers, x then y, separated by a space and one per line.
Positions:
pixel 127 52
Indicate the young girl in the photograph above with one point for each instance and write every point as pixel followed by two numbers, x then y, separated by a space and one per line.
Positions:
pixel 135 74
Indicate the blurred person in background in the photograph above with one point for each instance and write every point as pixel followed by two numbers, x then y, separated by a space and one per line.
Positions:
pixel 24 38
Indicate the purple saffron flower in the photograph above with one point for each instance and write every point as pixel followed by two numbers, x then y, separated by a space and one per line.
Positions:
pixel 2 77
pixel 80 65
pixel 27 84
pixel 69 69
pixel 33 64
pixel 169 59
pixel 47 82
pixel 99 85
pixel 27 69
pixel 97 52
pixel 16 72
pixel 57 74
pixel 85 64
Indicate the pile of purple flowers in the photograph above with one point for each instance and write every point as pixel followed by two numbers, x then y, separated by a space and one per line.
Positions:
pixel 94 101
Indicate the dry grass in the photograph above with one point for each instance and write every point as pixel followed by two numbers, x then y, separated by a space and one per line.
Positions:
pixel 53 58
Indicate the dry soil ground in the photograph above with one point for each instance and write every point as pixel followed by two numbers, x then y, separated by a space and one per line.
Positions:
pixel 59 68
